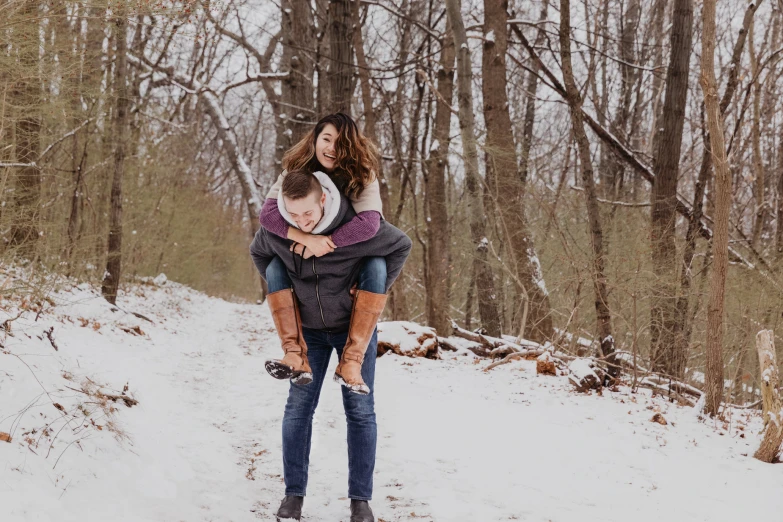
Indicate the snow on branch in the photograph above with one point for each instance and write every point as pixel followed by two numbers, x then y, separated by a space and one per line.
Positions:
pixel 225 131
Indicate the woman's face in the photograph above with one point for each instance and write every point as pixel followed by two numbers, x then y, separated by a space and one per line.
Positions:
pixel 324 147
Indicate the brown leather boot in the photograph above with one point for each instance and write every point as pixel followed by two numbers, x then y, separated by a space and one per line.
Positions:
pixel 294 365
pixel 367 308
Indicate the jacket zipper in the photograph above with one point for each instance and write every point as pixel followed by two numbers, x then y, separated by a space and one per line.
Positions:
pixel 318 295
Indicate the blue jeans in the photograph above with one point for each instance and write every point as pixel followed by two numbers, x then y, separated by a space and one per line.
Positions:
pixel 359 413
pixel 372 276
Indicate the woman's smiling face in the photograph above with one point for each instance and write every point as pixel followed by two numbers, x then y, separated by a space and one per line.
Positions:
pixel 324 147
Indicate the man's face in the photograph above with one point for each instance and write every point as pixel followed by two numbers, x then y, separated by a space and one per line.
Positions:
pixel 307 211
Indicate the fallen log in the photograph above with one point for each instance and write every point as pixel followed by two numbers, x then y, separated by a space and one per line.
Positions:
pixel 585 375
pixel 407 339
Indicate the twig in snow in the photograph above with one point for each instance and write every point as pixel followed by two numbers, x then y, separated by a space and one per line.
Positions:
pixel 50 335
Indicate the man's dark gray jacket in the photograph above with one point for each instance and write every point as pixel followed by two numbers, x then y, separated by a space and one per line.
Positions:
pixel 322 284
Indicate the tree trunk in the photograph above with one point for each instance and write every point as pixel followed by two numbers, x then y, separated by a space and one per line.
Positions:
pixel 73 89
pixel 340 68
pixel 664 199
pixel 759 179
pixel 530 101
pixel 501 166
pixel 658 14
pixel 772 412
pixel 622 123
pixel 487 297
pixel 720 243
pixel 683 317
pixel 27 98
pixel 111 277
pixel 598 272
pixel 297 89
pixel 369 114
pixel 438 237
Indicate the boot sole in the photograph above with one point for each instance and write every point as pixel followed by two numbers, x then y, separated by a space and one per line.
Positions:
pixel 302 378
pixel 360 389
pixel 281 371
pixel 278 370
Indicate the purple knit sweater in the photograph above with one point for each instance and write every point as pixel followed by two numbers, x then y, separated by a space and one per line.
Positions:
pixel 361 228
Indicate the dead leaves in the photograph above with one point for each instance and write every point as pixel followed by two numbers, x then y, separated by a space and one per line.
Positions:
pixel 545 365
pixel 5 437
pixel 133 330
pixel 659 419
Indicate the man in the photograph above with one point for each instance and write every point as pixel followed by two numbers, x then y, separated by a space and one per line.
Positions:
pixel 315 310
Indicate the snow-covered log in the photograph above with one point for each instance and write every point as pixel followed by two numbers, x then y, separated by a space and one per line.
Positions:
pixel 585 375
pixel 769 451
pixel 496 347
pixel 408 339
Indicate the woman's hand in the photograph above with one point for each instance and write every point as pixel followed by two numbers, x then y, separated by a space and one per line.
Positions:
pixel 298 248
pixel 316 245
pixel 319 245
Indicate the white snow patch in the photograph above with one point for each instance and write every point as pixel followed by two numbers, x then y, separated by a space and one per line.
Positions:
pixel 209 419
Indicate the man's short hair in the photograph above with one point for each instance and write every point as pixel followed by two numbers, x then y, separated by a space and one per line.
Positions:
pixel 299 184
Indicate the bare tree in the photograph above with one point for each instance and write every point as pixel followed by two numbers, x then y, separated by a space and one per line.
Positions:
pixel 487 297
pixel 26 96
pixel 111 278
pixel 664 197
pixel 720 244
pixel 438 236
pixel 508 190
pixel 340 64
pixel 598 272
pixel 298 50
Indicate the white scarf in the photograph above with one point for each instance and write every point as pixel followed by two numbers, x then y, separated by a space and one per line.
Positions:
pixel 331 204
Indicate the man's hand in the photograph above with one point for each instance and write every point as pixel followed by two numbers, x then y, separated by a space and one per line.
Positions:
pixel 319 245
pixel 298 248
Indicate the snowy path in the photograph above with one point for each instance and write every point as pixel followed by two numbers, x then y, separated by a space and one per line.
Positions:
pixel 455 443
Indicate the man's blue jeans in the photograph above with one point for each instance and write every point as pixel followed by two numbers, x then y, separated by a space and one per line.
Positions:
pixel 302 400
pixel 359 413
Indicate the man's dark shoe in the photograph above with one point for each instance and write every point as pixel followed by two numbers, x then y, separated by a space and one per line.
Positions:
pixel 290 509
pixel 361 512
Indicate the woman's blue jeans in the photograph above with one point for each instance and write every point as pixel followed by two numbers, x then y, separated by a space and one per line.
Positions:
pixel 372 276
pixel 302 400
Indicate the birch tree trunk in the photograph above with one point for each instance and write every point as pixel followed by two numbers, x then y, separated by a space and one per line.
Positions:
pixel 598 272
pixel 111 277
pixel 720 242
pixel 508 198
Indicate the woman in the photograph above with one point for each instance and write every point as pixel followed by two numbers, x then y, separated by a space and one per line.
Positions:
pixel 336 147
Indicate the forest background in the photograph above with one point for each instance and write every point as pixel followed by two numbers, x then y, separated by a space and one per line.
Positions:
pixel 552 160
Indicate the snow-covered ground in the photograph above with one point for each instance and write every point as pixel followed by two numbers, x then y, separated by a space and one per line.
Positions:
pixel 455 443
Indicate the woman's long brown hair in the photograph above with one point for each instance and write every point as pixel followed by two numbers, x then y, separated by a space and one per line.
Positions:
pixel 357 156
